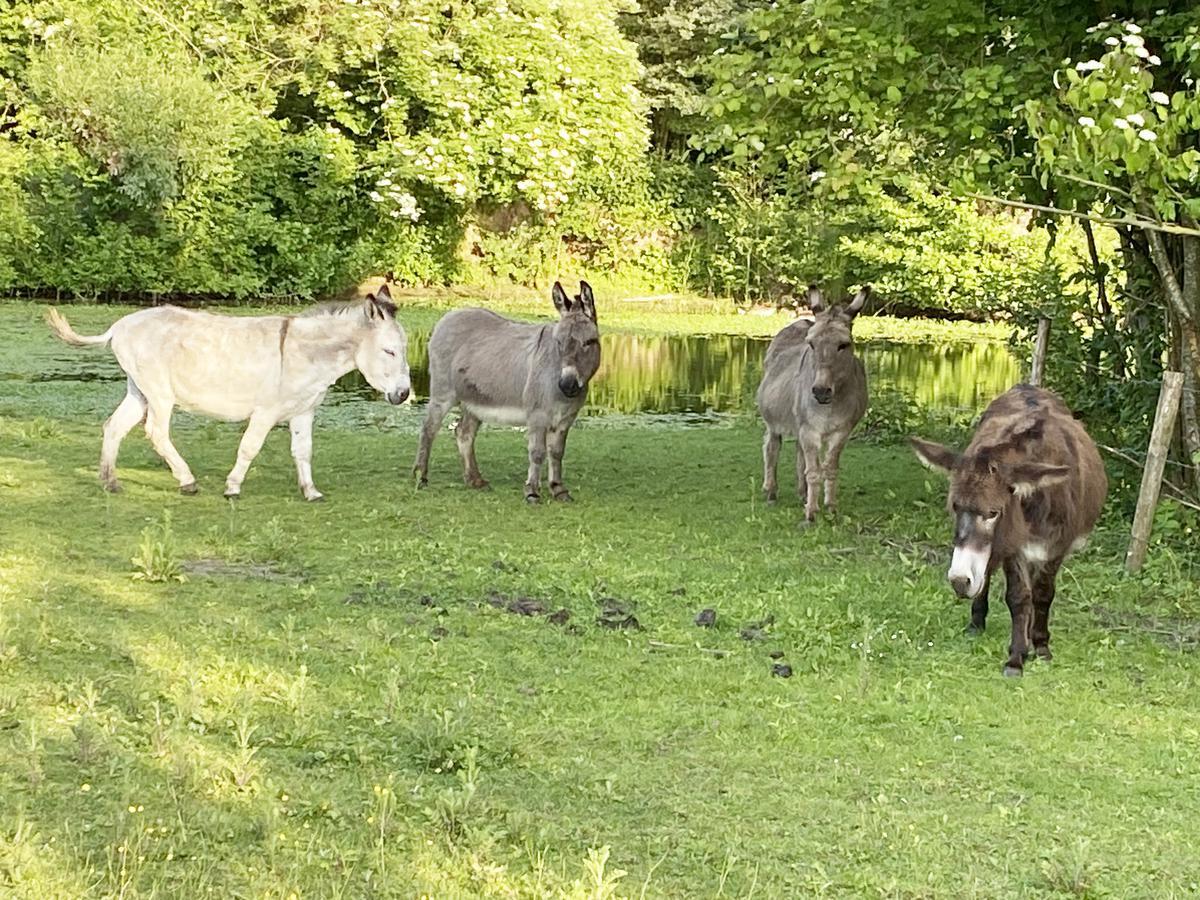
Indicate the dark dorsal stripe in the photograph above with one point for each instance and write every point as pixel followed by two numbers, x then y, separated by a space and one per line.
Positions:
pixel 283 330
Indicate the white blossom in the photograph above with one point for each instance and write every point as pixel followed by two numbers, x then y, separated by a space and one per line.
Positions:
pixel 1120 123
pixel 1092 65
pixel 1111 41
pixel 1133 40
pixel 1133 28
pixel 1136 119
pixel 1147 135
pixel 1160 97
pixel 816 176
pixel 1154 60
pixel 1087 121
pixel 1141 52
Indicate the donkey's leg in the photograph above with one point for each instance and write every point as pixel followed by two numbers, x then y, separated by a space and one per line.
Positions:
pixel 557 445
pixel 979 608
pixel 808 455
pixel 468 428
pixel 772 441
pixel 158 429
pixel 833 455
pixel 301 428
pixel 129 413
pixel 252 440
pixel 435 413
pixel 1018 595
pixel 801 472
pixel 1043 596
pixel 537 456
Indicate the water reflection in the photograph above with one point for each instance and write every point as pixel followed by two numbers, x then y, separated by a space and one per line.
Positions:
pixel 720 373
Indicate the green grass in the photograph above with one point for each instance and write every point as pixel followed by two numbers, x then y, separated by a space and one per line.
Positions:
pixel 336 701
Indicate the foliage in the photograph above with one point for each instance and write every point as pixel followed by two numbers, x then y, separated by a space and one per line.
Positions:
pixel 233 152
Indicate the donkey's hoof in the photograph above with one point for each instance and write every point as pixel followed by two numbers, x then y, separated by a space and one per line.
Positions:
pixel 479 484
pixel 770 499
pixel 315 497
pixel 973 630
pixel 533 499
pixel 1044 653
pixel 1013 671
pixel 233 495
pixel 189 489
pixel 112 487
pixel 564 497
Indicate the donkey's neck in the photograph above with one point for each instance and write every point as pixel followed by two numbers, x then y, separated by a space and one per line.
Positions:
pixel 322 346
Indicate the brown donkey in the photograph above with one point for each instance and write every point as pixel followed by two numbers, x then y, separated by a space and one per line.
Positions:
pixel 815 389
pixel 1024 495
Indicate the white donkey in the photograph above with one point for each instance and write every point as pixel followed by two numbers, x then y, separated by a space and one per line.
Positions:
pixel 268 369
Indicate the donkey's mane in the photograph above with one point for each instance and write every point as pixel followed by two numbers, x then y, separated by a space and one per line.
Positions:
pixel 333 308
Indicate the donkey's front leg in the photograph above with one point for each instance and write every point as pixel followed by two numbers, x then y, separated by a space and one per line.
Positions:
pixel 252 441
pixel 830 468
pixel 557 442
pixel 1019 594
pixel 808 457
pixel 537 455
pixel 301 428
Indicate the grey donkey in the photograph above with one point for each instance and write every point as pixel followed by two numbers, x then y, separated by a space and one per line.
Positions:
pixel 512 373
pixel 814 389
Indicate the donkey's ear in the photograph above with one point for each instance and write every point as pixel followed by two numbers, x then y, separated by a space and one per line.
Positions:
pixel 855 306
pixel 814 298
pixel 1026 479
pixel 587 300
pixel 379 307
pixel 561 301
pixel 935 456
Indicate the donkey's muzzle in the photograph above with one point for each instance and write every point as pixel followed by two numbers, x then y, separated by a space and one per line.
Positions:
pixel 822 393
pixel 397 397
pixel 570 387
pixel 961 585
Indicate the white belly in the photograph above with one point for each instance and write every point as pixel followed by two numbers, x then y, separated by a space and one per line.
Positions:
pixel 498 415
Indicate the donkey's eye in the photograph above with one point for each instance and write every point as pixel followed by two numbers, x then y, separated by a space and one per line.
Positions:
pixel 843 346
pixel 390 352
pixel 591 342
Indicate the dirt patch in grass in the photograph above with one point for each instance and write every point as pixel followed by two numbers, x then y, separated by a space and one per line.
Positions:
pixel 219 568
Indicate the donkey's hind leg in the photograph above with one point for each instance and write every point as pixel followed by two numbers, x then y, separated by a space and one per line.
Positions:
pixel 158 429
pixel 772 441
pixel 252 440
pixel 435 413
pixel 128 414
pixel 468 428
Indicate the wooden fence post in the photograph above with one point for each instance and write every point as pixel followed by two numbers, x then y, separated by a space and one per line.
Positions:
pixel 1156 461
pixel 1038 369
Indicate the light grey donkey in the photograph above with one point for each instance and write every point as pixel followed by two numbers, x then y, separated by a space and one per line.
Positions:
pixel 814 389
pixel 512 373
pixel 267 369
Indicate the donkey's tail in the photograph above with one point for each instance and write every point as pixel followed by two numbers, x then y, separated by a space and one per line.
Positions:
pixel 63 331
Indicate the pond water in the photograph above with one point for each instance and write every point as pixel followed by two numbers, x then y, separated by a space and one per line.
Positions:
pixel 669 379
pixel 715 374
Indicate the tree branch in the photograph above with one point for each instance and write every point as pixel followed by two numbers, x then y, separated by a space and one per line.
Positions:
pixel 1125 222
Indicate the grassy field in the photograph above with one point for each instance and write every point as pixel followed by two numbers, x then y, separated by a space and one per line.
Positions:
pixel 447 693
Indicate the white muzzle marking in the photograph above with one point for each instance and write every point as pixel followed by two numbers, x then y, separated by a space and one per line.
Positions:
pixel 971 564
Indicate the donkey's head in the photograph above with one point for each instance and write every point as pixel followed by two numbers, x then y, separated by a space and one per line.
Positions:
pixel 831 343
pixel 382 355
pixel 983 492
pixel 577 339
